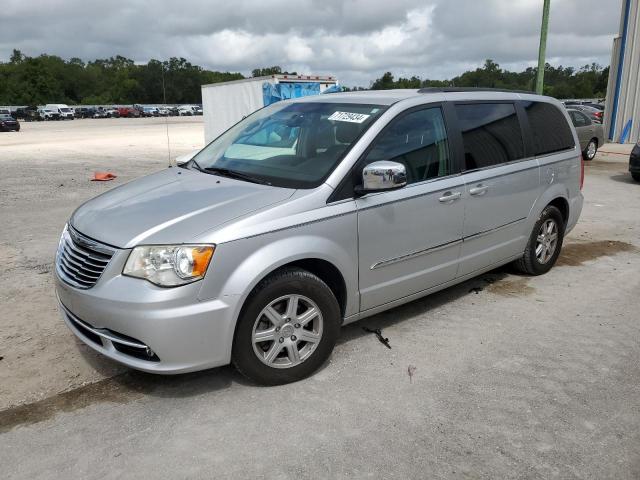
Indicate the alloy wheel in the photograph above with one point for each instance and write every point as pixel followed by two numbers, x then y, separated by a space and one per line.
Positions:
pixel 287 331
pixel 547 241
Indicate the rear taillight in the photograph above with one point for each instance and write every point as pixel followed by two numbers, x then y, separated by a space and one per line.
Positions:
pixel 598 114
pixel 581 172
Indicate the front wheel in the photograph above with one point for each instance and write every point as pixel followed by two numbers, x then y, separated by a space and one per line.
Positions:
pixel 636 176
pixel 287 328
pixel 545 242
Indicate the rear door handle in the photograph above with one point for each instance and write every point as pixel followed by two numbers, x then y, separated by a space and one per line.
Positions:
pixel 449 197
pixel 479 190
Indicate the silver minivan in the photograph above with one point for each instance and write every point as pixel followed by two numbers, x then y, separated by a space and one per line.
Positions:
pixel 313 213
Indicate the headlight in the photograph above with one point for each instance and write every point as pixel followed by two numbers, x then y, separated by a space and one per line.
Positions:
pixel 169 265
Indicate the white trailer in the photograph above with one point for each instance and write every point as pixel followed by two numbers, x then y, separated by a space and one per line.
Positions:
pixel 226 103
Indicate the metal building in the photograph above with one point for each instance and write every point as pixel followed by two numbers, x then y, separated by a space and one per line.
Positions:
pixel 622 111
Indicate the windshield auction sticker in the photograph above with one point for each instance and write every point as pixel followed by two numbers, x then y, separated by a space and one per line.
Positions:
pixel 349 117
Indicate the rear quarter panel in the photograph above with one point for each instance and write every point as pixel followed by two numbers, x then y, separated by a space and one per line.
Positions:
pixel 560 177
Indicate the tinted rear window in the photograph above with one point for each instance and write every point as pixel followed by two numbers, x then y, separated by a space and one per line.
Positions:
pixel 550 130
pixel 491 134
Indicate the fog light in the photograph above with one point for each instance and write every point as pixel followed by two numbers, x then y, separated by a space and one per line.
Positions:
pixel 150 353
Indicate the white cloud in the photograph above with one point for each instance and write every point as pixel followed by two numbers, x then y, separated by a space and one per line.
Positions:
pixel 298 50
pixel 357 40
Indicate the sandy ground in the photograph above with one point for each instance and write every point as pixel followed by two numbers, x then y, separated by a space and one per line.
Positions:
pixel 46 169
pixel 515 377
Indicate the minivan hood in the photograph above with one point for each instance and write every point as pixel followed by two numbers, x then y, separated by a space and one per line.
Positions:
pixel 171 206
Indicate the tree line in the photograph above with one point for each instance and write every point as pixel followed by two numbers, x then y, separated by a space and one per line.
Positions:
pixel 589 81
pixel 118 80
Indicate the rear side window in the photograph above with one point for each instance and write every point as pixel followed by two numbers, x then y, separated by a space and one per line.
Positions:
pixel 551 132
pixel 579 119
pixel 491 134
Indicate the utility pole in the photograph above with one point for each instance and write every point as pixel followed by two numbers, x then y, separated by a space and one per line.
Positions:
pixel 542 51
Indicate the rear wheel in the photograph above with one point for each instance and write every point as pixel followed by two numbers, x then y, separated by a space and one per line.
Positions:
pixel 287 329
pixel 590 151
pixel 544 244
pixel 636 176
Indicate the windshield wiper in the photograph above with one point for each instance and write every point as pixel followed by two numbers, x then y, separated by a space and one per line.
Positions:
pixel 225 172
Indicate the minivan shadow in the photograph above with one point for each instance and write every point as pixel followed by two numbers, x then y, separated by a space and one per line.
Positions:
pixel 422 305
pixel 192 384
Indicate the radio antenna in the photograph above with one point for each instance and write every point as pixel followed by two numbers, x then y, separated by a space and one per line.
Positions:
pixel 166 118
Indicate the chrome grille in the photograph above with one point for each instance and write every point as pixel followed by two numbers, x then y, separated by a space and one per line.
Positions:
pixel 80 261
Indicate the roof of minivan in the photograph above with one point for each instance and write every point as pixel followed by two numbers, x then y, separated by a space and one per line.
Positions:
pixel 389 97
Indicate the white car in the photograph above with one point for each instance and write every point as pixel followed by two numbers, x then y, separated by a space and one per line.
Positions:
pixel 185 110
pixel 49 114
pixel 65 112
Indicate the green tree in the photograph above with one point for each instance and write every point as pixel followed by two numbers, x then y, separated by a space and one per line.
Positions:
pixel 265 71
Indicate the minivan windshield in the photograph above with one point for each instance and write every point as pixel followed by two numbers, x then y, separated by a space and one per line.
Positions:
pixel 291 145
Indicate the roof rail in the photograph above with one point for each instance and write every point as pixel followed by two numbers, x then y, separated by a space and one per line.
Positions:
pixel 469 89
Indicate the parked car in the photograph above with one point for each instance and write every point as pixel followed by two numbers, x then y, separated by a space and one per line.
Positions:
pixel 185 111
pixel 634 162
pixel 128 112
pixel 197 110
pixel 5 111
pixel 149 112
pixel 84 112
pixel 313 213
pixel 100 112
pixel 112 112
pixel 28 114
pixel 163 112
pixel 593 113
pixel 64 111
pixel 48 114
pixel 590 133
pixel 8 123
pixel 597 106
pixel 173 111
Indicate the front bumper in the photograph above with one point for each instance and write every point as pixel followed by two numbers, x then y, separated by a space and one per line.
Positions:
pixel 121 317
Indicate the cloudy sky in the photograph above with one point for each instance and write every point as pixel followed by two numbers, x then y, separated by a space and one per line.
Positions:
pixel 356 40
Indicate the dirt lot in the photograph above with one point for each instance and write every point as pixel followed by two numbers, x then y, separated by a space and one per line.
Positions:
pixel 515 377
pixel 46 170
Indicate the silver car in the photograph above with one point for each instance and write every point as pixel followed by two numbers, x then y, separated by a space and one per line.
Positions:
pixel 313 213
pixel 590 133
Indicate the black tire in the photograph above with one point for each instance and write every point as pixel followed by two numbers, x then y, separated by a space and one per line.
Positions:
pixel 530 264
pixel 288 281
pixel 585 153
pixel 636 176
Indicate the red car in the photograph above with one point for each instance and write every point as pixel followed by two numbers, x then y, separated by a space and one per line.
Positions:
pixel 128 112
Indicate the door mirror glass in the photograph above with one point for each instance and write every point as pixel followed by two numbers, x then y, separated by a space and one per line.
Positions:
pixel 383 175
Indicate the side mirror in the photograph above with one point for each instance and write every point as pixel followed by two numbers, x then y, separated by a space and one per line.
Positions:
pixel 382 176
pixel 182 159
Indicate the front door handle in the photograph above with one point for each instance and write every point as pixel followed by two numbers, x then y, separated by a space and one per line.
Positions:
pixel 479 190
pixel 449 197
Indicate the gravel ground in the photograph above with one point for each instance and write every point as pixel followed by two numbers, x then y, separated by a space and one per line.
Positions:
pixel 515 377
pixel 46 172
